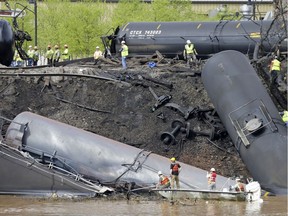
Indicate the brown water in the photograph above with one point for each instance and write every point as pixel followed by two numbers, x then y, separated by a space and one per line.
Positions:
pixel 10 205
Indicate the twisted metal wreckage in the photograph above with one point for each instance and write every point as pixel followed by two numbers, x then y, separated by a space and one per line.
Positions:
pixel 51 157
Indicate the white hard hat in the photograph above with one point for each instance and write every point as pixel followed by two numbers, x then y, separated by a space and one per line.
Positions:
pixel 159 173
pixel 212 170
pixel 188 42
pixel 97 47
pixel 237 179
pixel 122 42
pixel 30 46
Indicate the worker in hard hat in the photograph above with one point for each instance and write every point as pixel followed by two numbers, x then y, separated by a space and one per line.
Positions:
pixel 285 117
pixel 211 176
pixel 239 186
pixel 275 72
pixel 66 54
pixel 36 56
pixel 97 55
pixel 57 54
pixel 124 53
pixel 30 54
pixel 49 55
pixel 175 169
pixel 190 53
pixel 164 181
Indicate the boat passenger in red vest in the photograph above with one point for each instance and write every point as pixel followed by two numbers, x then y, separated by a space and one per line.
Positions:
pixel 239 187
pixel 212 179
pixel 175 169
pixel 164 181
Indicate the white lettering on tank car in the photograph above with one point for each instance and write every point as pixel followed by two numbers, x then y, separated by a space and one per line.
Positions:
pixel 135 32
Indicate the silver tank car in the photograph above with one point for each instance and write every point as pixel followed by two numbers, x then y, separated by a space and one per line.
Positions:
pixel 92 156
pixel 250 117
pixel 169 38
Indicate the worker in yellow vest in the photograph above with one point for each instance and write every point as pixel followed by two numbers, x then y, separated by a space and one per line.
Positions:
pixel 285 117
pixel 275 73
pixel 190 52
pixel 124 54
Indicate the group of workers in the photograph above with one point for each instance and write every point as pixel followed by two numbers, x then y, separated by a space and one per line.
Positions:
pixel 175 168
pixel 51 55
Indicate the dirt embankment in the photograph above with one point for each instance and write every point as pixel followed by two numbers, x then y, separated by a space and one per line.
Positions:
pixel 123 110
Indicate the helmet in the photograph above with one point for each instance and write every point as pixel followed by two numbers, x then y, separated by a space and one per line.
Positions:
pixel 97 47
pixel 35 47
pixel 49 46
pixel 123 42
pixel 56 46
pixel 212 170
pixel 237 179
pixel 159 173
pixel 188 42
pixel 30 46
pixel 66 45
pixel 276 57
pixel 173 159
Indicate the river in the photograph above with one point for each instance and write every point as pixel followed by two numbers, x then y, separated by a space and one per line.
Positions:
pixel 24 206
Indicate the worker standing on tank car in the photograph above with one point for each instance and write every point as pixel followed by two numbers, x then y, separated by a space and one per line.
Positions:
pixel 49 55
pixel 175 169
pixel 35 56
pixel 275 74
pixel 65 54
pixel 97 55
pixel 56 56
pixel 211 176
pixel 30 54
pixel 124 54
pixel 190 52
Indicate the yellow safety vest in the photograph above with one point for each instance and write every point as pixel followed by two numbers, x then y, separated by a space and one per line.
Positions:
pixel 285 116
pixel 189 48
pixel 124 52
pixel 276 65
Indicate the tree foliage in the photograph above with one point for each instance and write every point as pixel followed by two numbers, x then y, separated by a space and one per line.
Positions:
pixel 81 24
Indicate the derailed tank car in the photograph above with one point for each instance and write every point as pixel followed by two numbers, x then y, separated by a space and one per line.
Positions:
pixel 169 38
pixel 250 117
pixel 6 43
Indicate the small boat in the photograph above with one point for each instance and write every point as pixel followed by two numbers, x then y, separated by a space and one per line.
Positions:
pixel 252 193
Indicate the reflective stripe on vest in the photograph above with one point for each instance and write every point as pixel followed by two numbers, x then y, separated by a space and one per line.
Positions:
pixel 124 51
pixel 189 48
pixel 165 180
pixel 276 65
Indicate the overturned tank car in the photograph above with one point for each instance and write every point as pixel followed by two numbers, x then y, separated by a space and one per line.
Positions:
pixel 169 38
pixel 250 117
pixel 48 157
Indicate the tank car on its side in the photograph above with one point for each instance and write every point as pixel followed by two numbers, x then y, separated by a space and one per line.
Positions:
pixel 6 43
pixel 250 117
pixel 169 38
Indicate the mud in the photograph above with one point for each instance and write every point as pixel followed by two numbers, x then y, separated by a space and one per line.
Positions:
pixel 122 109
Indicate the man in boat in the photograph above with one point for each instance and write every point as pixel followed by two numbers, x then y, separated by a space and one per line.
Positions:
pixel 212 179
pixel 239 187
pixel 175 169
pixel 164 181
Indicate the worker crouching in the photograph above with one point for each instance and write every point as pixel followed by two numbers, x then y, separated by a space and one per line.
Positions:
pixel 164 181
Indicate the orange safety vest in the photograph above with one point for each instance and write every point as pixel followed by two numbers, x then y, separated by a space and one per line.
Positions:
pixel 240 187
pixel 164 180
pixel 175 168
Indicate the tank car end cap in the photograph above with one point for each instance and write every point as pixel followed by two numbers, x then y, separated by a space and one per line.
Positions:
pixel 253 124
